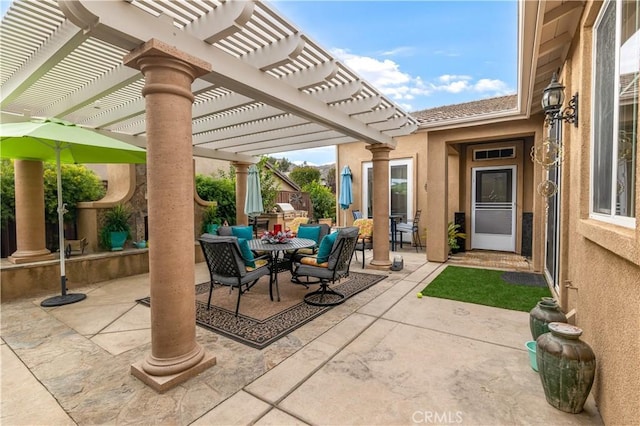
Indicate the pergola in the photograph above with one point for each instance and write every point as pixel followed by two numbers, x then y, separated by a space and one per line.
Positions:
pixel 227 80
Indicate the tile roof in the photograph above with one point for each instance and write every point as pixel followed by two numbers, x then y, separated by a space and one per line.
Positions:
pixel 466 110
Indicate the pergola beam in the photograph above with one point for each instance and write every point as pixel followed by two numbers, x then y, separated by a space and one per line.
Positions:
pixel 67 38
pixel 123 25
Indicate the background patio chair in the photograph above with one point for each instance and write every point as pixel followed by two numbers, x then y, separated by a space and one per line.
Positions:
pixel 365 237
pixel 228 266
pixel 413 227
pixel 357 214
pixel 331 269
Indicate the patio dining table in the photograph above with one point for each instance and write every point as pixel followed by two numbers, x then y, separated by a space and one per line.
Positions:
pixel 274 250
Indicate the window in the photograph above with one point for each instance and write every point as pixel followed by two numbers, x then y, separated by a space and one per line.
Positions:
pixel 400 187
pixel 493 154
pixel 615 112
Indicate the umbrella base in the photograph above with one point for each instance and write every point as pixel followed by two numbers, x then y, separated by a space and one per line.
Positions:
pixel 63 300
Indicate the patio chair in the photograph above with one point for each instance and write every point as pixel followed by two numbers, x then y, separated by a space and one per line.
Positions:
pixel 365 237
pixel 331 268
pixel 357 214
pixel 295 223
pixel 228 264
pixel 306 230
pixel 413 227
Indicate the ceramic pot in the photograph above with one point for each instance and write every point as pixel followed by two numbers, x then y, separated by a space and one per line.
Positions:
pixel 567 367
pixel 546 311
pixel 117 240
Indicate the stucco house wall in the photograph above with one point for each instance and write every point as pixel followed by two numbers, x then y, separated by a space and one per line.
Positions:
pixel 600 262
pixel 354 155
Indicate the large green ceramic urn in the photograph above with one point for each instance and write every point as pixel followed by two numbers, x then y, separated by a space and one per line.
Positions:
pixel 546 311
pixel 567 367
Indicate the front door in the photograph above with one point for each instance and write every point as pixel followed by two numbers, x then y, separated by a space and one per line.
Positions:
pixel 493 216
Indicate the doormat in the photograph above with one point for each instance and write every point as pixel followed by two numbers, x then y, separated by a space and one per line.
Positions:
pixel 260 321
pixel 524 278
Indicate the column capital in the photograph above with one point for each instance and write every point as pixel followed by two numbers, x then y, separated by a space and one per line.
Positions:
pixel 157 48
pixel 380 150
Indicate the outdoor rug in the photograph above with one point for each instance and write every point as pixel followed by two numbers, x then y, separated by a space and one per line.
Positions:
pixel 260 321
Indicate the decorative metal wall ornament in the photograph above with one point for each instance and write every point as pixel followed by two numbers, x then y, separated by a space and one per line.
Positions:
pixel 547 188
pixel 548 154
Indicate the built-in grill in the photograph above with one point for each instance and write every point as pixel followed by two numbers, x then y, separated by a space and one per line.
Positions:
pixel 289 212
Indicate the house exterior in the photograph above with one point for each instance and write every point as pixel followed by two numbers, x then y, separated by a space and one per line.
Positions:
pixel 578 221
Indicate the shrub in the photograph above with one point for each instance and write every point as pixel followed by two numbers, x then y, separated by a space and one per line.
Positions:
pixel 116 219
pixel 221 190
pixel 78 184
pixel 324 202
pixel 304 175
pixel 7 192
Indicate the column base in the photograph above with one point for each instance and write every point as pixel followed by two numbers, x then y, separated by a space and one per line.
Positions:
pixel 382 265
pixel 37 257
pixel 162 384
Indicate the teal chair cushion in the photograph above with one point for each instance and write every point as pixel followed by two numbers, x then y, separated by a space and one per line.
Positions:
pixel 247 254
pixel 325 247
pixel 240 231
pixel 309 232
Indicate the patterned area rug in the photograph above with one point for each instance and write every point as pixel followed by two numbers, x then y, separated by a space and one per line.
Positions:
pixel 260 321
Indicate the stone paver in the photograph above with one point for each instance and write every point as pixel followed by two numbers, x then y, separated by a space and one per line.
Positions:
pixel 382 357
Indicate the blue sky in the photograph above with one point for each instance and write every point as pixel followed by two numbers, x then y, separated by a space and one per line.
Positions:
pixel 420 54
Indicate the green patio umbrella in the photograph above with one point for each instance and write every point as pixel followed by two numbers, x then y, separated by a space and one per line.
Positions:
pixel 253 201
pixel 63 142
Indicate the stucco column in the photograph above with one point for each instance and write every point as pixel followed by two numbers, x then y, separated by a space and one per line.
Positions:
pixel 242 173
pixel 380 153
pixel 437 161
pixel 29 197
pixel 175 355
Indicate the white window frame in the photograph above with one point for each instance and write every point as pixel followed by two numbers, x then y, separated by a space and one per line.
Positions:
pixel 410 183
pixel 613 218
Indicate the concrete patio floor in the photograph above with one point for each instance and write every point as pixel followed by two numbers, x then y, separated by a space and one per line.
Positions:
pixel 383 357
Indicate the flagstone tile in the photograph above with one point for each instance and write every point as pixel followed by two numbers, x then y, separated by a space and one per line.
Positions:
pixel 346 330
pixel 121 341
pixel 386 300
pixel 500 326
pixel 139 317
pixel 17 381
pixel 241 409
pixel 87 320
pixel 277 417
pixel 397 374
pixel 278 381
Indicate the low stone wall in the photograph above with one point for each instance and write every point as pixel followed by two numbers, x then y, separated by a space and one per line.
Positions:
pixel 43 278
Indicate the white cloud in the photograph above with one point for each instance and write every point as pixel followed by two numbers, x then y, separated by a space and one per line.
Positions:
pixel 488 85
pixel 448 78
pixel 404 88
pixel 399 51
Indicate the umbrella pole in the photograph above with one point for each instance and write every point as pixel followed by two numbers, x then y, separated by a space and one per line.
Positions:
pixel 64 298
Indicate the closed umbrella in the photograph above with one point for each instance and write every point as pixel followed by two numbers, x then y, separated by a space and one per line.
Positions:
pixel 346 197
pixel 253 201
pixel 63 142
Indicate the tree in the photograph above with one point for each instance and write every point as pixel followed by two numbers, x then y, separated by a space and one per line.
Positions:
pixel 78 184
pixel 331 179
pixel 281 164
pixel 324 202
pixel 304 175
pixel 7 192
pixel 269 185
pixel 223 191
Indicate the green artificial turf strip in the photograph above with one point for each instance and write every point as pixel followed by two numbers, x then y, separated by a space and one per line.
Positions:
pixel 484 287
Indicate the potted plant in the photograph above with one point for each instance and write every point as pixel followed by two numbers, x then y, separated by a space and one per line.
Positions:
pixel 454 235
pixel 115 230
pixel 210 220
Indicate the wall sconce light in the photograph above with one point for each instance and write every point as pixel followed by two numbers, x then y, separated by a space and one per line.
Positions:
pixel 552 98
